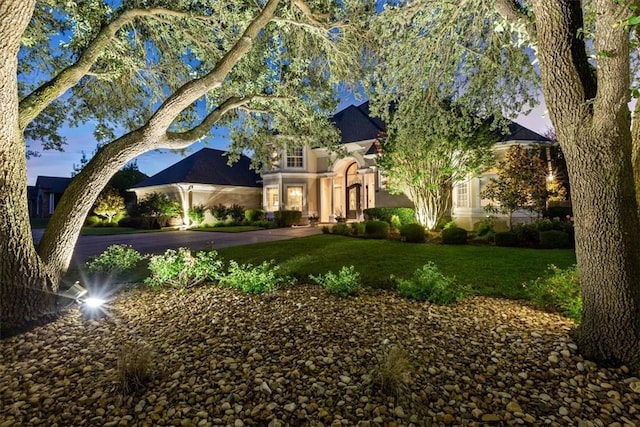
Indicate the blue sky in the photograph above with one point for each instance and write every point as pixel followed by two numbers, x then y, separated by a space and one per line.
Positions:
pixel 55 163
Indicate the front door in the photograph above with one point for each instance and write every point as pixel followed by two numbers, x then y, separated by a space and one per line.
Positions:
pixel 353 201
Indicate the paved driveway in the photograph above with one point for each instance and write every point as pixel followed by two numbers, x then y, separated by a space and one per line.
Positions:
pixel 161 241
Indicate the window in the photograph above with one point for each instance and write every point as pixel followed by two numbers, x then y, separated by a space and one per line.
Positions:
pixel 273 199
pixel 294 197
pixel 295 157
pixel 462 195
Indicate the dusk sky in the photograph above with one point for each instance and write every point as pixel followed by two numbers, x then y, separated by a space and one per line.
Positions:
pixel 55 163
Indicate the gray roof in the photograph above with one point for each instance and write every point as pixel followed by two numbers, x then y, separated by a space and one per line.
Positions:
pixel 207 166
pixel 52 184
pixel 356 124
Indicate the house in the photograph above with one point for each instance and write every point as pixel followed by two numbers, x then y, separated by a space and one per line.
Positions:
pixel 205 178
pixel 320 183
pixel 48 190
pixel 316 181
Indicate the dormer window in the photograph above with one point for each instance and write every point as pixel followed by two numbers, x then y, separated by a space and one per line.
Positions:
pixel 295 157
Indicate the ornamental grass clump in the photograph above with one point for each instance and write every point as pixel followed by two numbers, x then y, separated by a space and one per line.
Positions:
pixel 184 269
pixel 558 291
pixel 134 370
pixel 254 279
pixel 345 283
pixel 429 284
pixel 116 260
pixel 392 375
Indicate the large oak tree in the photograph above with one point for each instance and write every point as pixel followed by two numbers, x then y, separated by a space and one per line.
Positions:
pixel 149 74
pixel 491 55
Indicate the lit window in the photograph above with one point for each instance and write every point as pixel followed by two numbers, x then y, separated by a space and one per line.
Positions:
pixel 273 199
pixel 462 195
pixel 295 157
pixel 294 198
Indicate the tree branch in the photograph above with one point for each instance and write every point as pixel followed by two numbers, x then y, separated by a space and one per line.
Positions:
pixel 34 103
pixel 314 18
pixel 182 139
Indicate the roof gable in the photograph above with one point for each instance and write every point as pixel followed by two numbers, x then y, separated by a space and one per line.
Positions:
pixel 52 184
pixel 355 125
pixel 207 166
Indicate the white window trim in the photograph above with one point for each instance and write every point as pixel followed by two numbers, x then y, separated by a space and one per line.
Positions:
pixel 304 194
pixel 266 197
pixel 458 194
pixel 304 159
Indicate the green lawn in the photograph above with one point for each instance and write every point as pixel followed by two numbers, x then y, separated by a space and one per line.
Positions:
pixel 489 270
pixel 230 228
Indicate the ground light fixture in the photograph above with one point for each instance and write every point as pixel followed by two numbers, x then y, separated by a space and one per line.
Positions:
pixel 90 305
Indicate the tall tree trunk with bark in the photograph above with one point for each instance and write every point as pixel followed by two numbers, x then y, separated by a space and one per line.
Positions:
pixel 594 130
pixel 23 277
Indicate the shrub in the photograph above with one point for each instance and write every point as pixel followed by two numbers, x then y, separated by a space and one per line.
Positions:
pixel 405 215
pixel 236 212
pixel 454 235
pixel 527 235
pixel 220 212
pixel 158 205
pixel 429 284
pixel 357 228
pixel 253 279
pixel 92 221
pixel 345 283
pixel 196 214
pixel 326 229
pixel 558 291
pixel 134 368
pixel 182 269
pixel 484 228
pixel 116 260
pixel 506 238
pixel 412 233
pixel 264 223
pixel 254 215
pixel 341 229
pixel 554 239
pixel 287 218
pixel 376 229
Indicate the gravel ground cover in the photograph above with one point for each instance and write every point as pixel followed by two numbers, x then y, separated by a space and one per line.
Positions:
pixel 302 357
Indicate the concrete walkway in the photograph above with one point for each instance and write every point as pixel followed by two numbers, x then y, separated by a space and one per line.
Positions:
pixel 159 242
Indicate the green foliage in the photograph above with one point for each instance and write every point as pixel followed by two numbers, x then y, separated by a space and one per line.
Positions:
pixel 554 239
pixel 357 228
pixel 253 279
pixel 429 284
pixel 220 212
pixel 527 235
pixel 109 204
pixel 287 218
pixel 430 145
pixel 236 212
pixel 341 229
pixel 412 233
pixel 376 229
pixel 404 215
pixel 118 260
pixel 196 214
pixel 454 236
pixel 506 238
pixel 183 269
pixel 345 283
pixel 558 291
pixel 326 229
pixel 158 208
pixel 521 182
pixel 254 215
pixel 484 230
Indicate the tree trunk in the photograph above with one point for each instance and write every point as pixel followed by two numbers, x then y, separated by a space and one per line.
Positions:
pixel 593 129
pixel 22 276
